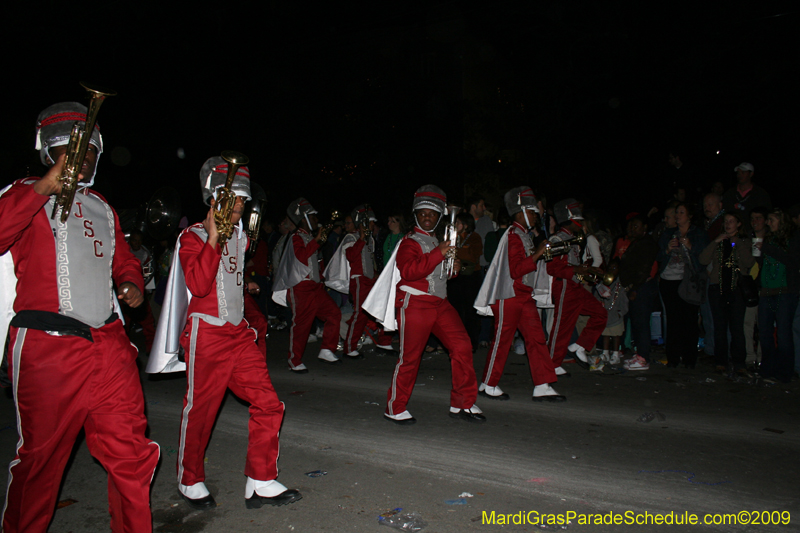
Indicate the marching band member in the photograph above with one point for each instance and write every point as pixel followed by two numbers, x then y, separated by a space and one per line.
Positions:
pixel 507 293
pixel 70 361
pixel 569 298
pixel 298 286
pixel 352 269
pixel 207 284
pixel 414 283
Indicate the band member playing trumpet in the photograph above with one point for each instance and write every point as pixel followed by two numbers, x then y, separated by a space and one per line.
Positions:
pixel 507 293
pixel 298 286
pixel 412 282
pixel 70 362
pixel 352 269
pixel 569 298
pixel 219 346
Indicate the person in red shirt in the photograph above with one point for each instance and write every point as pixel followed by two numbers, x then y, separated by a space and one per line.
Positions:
pixel 298 285
pixel 70 361
pixel 570 299
pixel 508 290
pixel 414 283
pixel 221 352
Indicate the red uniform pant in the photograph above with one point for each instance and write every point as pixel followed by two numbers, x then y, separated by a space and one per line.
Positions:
pixel 418 317
pixel 509 315
pixel 570 300
pixel 220 358
pixel 359 289
pixel 63 384
pixel 309 300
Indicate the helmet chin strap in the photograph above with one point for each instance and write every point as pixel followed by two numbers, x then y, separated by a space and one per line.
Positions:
pixel 305 215
pixel 527 221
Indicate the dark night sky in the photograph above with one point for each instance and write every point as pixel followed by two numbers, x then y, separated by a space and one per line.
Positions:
pixel 344 106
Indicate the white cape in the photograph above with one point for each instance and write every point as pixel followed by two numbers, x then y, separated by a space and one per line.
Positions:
pixel 337 272
pixel 380 301
pixel 497 283
pixel 290 272
pixel 8 290
pixel 166 344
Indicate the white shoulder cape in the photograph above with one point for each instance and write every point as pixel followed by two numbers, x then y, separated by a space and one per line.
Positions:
pixel 497 283
pixel 380 301
pixel 337 272
pixel 8 290
pixel 166 344
pixel 290 272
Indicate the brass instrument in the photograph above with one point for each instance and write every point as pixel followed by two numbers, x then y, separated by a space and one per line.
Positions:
pixel 365 220
pixel 561 247
pixel 76 151
pixel 226 198
pixel 590 277
pixel 253 215
pixel 451 235
pixel 161 214
pixel 609 277
pixel 323 235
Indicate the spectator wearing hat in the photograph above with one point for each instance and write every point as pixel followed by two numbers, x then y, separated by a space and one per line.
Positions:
pixel 746 195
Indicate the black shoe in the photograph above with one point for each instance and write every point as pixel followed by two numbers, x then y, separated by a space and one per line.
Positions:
pixel 405 422
pixel 285 497
pixel 469 417
pixel 356 357
pixel 503 397
pixel 201 504
pixel 550 398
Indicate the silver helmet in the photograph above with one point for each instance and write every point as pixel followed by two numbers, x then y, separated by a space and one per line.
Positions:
pixel 214 174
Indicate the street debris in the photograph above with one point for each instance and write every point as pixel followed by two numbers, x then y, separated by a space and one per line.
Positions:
pixel 317 473
pixel 404 521
pixel 650 416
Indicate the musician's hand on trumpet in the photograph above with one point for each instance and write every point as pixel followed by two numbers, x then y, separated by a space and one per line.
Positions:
pixel 210 225
pixel 539 251
pixel 363 232
pixel 446 248
pixel 583 270
pixel 130 294
pixel 51 182
pixel 456 266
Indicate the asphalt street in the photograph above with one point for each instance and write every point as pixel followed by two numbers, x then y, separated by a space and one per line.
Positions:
pixel 720 446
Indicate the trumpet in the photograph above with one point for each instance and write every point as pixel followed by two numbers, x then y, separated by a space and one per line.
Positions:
pixel 226 198
pixel 590 277
pixel 76 151
pixel 451 235
pixel 561 247
pixel 323 235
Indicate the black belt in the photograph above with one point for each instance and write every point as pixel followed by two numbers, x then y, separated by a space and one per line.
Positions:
pixel 63 325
